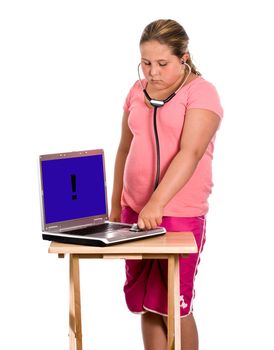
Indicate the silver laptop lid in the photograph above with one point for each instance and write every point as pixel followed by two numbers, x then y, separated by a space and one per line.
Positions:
pixel 73 190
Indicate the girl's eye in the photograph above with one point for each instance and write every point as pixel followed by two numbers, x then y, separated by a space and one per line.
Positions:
pixel 160 64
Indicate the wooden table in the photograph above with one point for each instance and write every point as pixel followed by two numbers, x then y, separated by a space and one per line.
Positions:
pixel 169 246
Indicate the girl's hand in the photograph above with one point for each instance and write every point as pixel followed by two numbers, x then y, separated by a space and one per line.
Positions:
pixel 150 216
pixel 115 214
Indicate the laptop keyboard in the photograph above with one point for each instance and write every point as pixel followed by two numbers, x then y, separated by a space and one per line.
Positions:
pixel 112 232
pixel 107 228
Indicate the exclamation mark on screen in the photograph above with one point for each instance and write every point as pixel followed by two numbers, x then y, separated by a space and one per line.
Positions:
pixel 73 186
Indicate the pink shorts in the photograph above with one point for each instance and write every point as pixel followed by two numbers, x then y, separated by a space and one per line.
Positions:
pixel 146 280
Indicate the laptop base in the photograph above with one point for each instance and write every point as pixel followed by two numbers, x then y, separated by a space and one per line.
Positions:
pixel 95 242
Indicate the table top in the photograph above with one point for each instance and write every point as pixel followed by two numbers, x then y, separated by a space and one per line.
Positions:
pixel 169 243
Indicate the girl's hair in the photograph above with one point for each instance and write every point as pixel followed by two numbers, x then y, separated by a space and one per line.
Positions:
pixel 172 34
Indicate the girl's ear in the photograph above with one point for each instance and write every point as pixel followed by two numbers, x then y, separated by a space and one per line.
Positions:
pixel 185 57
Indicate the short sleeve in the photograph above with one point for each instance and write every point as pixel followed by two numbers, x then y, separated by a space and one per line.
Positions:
pixel 127 103
pixel 204 95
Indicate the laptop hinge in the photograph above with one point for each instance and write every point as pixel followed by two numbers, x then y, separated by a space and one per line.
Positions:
pixel 95 222
pixel 64 229
pixel 51 227
pixel 98 221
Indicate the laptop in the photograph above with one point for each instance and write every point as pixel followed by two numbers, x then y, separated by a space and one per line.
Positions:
pixel 73 195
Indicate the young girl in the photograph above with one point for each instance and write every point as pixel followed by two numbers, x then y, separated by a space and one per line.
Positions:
pixel 186 123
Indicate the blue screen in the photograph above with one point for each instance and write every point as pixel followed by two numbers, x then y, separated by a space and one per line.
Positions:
pixel 73 188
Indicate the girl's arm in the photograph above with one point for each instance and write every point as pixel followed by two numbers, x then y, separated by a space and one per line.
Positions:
pixel 125 141
pixel 199 128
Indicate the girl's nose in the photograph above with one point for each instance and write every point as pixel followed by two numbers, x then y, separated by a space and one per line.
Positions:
pixel 153 70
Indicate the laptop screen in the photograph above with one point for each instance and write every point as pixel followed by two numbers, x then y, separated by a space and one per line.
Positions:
pixel 73 188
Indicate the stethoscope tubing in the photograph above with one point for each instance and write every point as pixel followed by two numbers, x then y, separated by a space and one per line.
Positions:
pixel 157 104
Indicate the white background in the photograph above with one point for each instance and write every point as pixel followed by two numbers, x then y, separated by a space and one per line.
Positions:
pixel 66 67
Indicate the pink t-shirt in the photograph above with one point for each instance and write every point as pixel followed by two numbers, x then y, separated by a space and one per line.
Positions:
pixel 140 167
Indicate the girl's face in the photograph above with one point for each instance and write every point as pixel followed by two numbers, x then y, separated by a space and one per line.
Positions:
pixel 161 68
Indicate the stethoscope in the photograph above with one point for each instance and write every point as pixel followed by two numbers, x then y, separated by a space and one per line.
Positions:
pixel 157 104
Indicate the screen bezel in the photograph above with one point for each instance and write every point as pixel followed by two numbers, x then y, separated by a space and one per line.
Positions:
pixel 66 225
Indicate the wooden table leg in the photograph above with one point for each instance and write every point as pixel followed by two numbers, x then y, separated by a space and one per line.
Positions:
pixel 75 324
pixel 174 322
